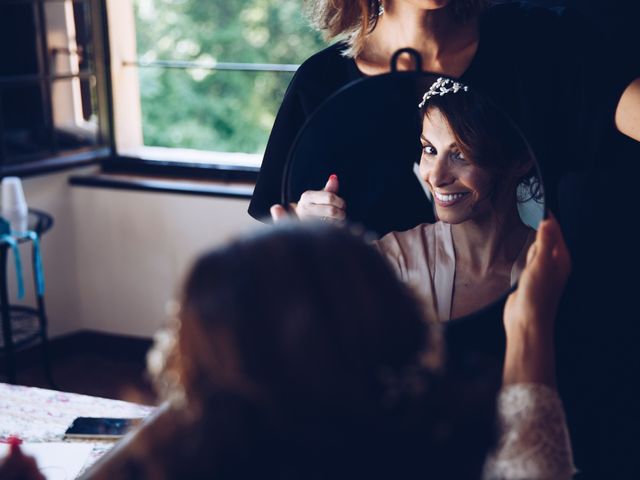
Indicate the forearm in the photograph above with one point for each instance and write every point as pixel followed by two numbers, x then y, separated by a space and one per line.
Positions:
pixel 530 356
pixel 534 439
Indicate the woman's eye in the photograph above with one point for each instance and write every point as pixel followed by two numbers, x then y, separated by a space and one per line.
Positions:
pixel 429 150
pixel 458 156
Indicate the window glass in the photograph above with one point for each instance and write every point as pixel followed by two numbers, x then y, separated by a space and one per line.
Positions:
pixel 25 126
pixel 18 39
pixel 48 82
pixel 75 116
pixel 69 37
pixel 204 105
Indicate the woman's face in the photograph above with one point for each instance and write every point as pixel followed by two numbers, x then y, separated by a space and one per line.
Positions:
pixel 461 190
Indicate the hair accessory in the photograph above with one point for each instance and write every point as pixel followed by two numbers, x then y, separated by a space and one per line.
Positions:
pixel 441 87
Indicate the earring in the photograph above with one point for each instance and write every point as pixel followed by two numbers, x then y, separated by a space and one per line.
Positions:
pixel 380 7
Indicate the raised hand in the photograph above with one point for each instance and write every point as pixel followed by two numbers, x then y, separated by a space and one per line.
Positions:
pixel 530 311
pixel 324 204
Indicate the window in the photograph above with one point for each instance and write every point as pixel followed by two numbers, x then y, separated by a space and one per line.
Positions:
pixel 167 83
pixel 54 106
pixel 200 81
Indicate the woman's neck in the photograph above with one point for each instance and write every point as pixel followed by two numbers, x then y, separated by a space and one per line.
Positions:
pixel 446 46
pixel 490 243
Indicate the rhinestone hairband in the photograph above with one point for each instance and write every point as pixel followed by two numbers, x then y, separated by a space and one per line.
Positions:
pixel 441 87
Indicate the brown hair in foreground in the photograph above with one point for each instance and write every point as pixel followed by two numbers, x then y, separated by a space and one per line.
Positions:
pixel 302 356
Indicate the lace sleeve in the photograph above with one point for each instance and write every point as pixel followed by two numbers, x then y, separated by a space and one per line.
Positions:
pixel 534 439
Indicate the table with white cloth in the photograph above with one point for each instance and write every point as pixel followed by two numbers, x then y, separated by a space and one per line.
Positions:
pixel 40 415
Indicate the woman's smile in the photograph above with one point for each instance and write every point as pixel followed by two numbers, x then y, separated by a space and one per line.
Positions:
pixel 449 199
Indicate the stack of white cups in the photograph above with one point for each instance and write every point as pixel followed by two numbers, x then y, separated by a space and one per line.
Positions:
pixel 14 205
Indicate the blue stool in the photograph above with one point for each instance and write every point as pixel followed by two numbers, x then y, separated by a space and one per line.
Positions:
pixel 23 326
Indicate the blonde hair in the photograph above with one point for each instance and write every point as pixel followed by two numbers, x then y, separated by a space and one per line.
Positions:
pixel 353 20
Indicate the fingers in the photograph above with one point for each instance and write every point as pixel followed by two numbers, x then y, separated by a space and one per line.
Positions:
pixel 545 238
pixel 531 253
pixel 322 197
pixel 278 213
pixel 332 184
pixel 17 465
pixel 554 251
pixel 545 242
pixel 322 204
pixel 326 212
pixel 560 251
pixel 307 210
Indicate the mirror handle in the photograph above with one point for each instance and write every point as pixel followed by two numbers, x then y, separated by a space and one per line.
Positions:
pixel 417 58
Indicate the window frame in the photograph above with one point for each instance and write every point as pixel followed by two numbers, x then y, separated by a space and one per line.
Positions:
pixel 57 158
pixel 118 154
pixel 136 157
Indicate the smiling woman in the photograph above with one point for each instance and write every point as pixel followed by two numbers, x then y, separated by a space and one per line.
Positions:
pixel 470 146
pixel 461 189
pixel 474 163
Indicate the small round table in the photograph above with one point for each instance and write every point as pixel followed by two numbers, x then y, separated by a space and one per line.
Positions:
pixel 22 325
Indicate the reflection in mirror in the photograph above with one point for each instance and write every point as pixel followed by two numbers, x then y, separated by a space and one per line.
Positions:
pixel 480 182
pixel 483 182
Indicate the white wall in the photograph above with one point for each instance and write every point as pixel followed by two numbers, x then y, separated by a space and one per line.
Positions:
pixel 114 258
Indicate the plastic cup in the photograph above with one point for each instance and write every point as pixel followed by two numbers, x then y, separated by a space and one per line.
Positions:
pixel 14 204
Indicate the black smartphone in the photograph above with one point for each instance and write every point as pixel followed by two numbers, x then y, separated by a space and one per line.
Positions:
pixel 101 427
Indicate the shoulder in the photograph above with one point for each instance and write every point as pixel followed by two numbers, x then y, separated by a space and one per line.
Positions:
pixel 328 70
pixel 526 25
pixel 325 59
pixel 404 243
pixel 534 22
pixel 539 39
pixel 525 14
pixel 403 250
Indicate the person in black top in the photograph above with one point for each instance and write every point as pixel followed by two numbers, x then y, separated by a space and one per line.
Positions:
pixel 545 67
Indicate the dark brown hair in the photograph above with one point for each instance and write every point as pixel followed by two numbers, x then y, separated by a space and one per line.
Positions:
pixel 307 310
pixel 352 20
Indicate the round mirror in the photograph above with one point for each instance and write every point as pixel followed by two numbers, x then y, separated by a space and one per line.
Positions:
pixel 441 174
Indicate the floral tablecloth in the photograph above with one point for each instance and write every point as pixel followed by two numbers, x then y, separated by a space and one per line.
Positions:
pixel 39 415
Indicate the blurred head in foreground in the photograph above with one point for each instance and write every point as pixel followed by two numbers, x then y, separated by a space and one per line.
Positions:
pixel 298 354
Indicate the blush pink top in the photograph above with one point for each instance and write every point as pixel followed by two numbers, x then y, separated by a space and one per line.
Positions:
pixel 424 258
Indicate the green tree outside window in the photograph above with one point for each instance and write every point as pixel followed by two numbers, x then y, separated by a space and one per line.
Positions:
pixel 217 110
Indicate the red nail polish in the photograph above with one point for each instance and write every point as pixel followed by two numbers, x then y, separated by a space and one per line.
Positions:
pixel 333 176
pixel 14 442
